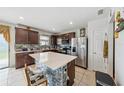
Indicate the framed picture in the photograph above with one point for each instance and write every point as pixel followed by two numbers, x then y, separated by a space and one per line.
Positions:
pixel 82 32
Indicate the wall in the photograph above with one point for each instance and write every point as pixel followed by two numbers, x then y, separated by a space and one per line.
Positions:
pixel 119 55
pixel 110 39
pixel 119 59
pixel 100 23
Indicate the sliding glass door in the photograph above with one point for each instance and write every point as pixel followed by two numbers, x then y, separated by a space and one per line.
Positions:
pixel 4 52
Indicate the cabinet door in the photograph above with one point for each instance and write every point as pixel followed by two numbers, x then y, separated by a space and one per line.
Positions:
pixel 23 58
pixel 71 35
pixel 21 36
pixel 71 72
pixel 54 41
pixel 33 37
pixel 20 60
pixel 30 60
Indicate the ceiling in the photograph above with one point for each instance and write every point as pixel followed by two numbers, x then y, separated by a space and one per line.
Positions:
pixel 52 19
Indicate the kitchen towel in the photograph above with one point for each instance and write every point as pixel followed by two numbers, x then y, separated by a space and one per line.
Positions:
pixel 105 49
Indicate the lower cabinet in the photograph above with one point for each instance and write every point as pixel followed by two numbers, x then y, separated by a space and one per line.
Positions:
pixel 71 72
pixel 30 60
pixel 22 58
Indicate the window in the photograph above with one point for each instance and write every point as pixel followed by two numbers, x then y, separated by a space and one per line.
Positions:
pixel 4 57
pixel 44 40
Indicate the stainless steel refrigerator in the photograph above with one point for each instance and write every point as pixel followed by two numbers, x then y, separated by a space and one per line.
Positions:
pixel 79 47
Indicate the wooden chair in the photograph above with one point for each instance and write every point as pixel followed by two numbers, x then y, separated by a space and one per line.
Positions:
pixel 37 79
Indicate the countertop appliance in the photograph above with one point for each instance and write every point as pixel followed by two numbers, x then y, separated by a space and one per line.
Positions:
pixel 79 47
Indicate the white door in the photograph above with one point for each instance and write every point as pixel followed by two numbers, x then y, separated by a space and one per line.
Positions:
pixel 97 50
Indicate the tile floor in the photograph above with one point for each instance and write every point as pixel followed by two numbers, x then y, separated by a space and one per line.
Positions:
pixel 84 77
pixel 12 77
pixel 3 63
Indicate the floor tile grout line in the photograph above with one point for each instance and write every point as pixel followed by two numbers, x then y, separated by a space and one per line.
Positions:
pixel 81 71
pixel 82 77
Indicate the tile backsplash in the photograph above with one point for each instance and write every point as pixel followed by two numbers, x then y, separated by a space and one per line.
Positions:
pixel 28 46
pixel 19 47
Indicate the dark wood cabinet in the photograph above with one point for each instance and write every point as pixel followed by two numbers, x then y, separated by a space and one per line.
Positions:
pixel 33 37
pixel 71 72
pixel 22 58
pixel 21 36
pixel 54 41
pixel 29 59
pixel 71 35
pixel 65 37
pixel 51 50
pixel 25 36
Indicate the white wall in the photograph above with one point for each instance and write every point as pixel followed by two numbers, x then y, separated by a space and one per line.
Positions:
pixel 110 54
pixel 100 23
pixel 119 54
pixel 119 59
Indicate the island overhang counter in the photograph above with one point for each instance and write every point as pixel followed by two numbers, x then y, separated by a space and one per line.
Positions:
pixel 57 62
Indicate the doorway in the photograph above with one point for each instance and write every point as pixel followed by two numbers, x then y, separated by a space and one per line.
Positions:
pixel 98 60
pixel 4 53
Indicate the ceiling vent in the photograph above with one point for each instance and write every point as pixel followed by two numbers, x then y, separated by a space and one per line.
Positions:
pixel 100 12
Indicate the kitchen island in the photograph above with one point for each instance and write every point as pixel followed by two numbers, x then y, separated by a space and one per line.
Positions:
pixel 60 68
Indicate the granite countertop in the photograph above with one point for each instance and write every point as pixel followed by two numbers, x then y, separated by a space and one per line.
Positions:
pixel 28 51
pixel 53 60
pixel 40 50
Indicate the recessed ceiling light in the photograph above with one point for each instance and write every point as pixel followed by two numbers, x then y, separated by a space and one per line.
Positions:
pixel 71 23
pixel 21 18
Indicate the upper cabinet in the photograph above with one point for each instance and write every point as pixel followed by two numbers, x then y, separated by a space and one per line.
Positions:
pixel 65 38
pixel 71 35
pixel 33 37
pixel 54 40
pixel 21 36
pixel 25 36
